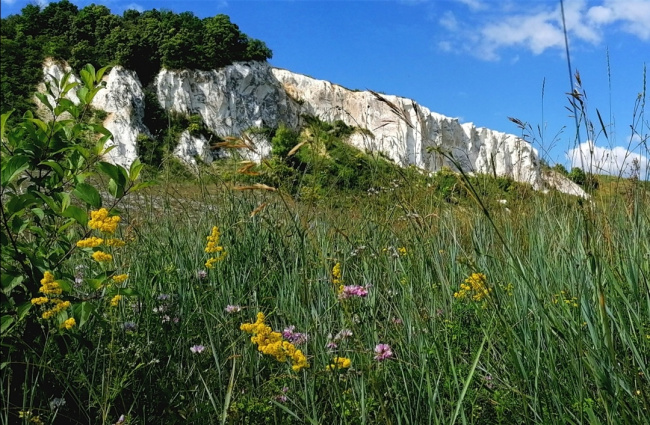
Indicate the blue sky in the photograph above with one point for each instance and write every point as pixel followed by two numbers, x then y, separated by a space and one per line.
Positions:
pixel 478 60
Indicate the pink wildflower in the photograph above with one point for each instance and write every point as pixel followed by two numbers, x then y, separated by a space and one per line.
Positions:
pixel 383 352
pixel 350 291
pixel 197 349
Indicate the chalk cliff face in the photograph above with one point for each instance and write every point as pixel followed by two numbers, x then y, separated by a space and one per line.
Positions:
pixel 245 96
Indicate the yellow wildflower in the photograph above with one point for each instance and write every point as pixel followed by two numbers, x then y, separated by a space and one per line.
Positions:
pixel 49 286
pixel 115 242
pixel 90 242
pixel 476 286
pixel 213 241
pixel 102 257
pixel 115 301
pixel 59 306
pixel 102 222
pixel 340 363
pixel 401 251
pixel 272 343
pixel 69 324
pixel 120 278
pixel 40 300
pixel 336 274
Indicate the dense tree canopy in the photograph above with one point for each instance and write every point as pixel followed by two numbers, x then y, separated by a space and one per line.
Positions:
pixel 144 42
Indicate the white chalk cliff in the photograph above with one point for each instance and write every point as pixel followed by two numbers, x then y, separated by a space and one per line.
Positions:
pixel 250 95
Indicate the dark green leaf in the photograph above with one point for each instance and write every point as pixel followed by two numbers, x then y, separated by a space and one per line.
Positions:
pixel 77 213
pixel 88 194
pixel 13 168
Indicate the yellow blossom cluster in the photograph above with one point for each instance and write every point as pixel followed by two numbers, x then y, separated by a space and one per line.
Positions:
pixel 90 242
pixel 339 363
pixel 337 276
pixel 213 247
pixel 49 286
pixel 102 222
pixel 115 301
pixel 102 257
pixel 272 344
pixel 69 324
pixel 52 290
pixel 401 251
pixel 117 243
pixel 120 278
pixel 474 286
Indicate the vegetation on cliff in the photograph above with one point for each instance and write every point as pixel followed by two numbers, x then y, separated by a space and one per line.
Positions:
pixel 143 42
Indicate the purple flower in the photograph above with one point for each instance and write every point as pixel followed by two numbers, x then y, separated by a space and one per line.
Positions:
pixel 197 349
pixel 383 352
pixel 163 297
pixel 350 291
pixel 294 337
pixel 331 345
pixel 201 274
pixel 396 321
pixel 230 309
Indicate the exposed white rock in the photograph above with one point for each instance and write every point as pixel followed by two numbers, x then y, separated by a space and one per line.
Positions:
pixel 230 100
pixel 190 148
pixel 123 99
pixel 410 134
pixel 557 181
pixel 252 95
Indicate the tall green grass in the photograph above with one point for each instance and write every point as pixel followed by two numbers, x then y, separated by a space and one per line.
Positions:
pixel 535 351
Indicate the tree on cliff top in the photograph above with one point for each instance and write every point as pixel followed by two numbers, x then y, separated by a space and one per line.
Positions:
pixel 143 42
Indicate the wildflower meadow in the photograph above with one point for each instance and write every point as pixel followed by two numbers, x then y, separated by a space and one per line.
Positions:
pixel 226 300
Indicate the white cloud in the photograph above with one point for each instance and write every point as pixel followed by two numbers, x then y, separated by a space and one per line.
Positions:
pixel 614 161
pixel 448 21
pixel 8 1
pixel 538 27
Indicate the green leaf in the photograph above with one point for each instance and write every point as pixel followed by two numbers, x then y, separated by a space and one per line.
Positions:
pixel 113 189
pixel 86 310
pixel 38 212
pixel 95 283
pixel 5 323
pixel 55 166
pixel 44 100
pixel 13 168
pixel 142 185
pixel 88 194
pixel 77 214
pixel 65 200
pixel 3 123
pixel 109 169
pixel 101 71
pixel 134 170
pixel 9 282
pixel 65 285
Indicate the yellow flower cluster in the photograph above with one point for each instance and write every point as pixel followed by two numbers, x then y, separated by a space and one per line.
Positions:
pixel 337 276
pixel 339 363
pixel 102 222
pixel 120 278
pixel 90 242
pixel 69 324
pixel 51 289
pixel 115 301
pixel 49 286
pixel 213 247
pixel 401 251
pixel 475 286
pixel 59 306
pixel 102 257
pixel 115 242
pixel 271 343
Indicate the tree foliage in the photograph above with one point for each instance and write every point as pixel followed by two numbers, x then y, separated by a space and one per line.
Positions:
pixel 143 42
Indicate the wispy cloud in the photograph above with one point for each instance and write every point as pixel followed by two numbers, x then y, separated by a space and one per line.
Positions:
pixel 614 161
pixel 538 27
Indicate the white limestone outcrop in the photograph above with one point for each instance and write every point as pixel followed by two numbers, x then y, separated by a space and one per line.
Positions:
pixel 244 96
